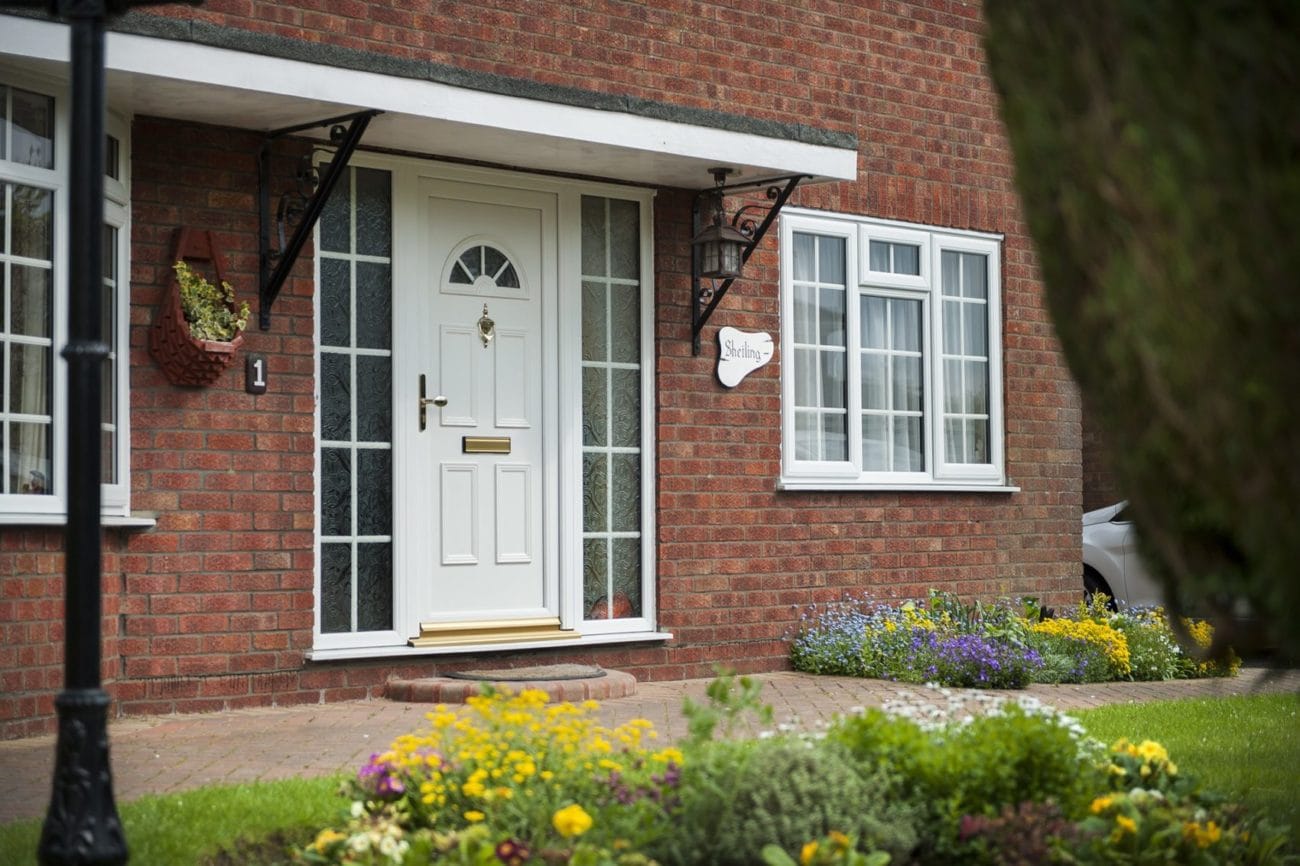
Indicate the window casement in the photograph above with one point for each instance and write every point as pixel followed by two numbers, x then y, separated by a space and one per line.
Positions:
pixel 34 242
pixel 892 362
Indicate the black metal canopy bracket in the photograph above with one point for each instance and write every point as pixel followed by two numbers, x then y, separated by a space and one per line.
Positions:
pixel 307 206
pixel 704 300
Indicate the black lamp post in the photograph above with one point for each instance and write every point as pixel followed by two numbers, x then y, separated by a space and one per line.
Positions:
pixel 82 825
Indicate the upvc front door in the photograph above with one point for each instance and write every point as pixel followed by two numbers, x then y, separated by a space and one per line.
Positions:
pixel 475 339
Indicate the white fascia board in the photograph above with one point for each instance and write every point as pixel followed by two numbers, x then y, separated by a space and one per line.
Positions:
pixel 189 81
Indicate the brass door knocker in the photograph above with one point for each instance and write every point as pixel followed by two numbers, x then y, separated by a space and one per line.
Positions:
pixel 486 328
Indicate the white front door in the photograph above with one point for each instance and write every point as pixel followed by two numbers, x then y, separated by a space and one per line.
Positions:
pixel 480 441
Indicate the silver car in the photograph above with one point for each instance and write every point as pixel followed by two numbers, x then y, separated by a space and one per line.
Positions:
pixel 1111 562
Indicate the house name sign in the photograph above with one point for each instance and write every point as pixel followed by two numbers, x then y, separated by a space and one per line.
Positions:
pixel 741 353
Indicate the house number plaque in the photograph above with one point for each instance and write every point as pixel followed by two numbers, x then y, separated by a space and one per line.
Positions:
pixel 255 374
pixel 741 353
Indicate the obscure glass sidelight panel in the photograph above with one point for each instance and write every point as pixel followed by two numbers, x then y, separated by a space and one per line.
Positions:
pixel 626 578
pixel 336 491
pixel 625 324
pixel 374 212
pixel 624 239
pixel 595 574
pixel 595 492
pixel 595 336
pixel 335 588
pixel 335 396
pixel 595 406
pixel 611 408
pixel 374 306
pixel 374 587
pixel 625 493
pixel 335 225
pixel 374 398
pixel 374 491
pixel 356 425
pixel 626 391
pixel 335 302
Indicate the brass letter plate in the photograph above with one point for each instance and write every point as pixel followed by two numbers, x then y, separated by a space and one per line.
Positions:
pixel 485 444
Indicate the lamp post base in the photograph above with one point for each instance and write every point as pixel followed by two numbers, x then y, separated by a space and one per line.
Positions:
pixel 81 825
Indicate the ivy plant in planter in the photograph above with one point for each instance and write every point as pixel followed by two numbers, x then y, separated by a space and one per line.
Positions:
pixel 199 325
pixel 210 310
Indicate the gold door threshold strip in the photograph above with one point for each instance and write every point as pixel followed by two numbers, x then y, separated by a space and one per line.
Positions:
pixel 474 632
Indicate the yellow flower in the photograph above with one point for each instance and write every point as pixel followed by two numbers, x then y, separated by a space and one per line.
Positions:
pixel 326 839
pixel 571 821
pixel 808 852
pixel 1205 836
pixel 1127 824
pixel 474 816
pixel 1100 804
pixel 1152 751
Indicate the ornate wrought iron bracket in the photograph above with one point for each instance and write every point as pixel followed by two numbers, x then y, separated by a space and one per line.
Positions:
pixel 306 204
pixel 704 300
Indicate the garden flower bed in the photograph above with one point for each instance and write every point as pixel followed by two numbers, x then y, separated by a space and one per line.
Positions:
pixel 515 780
pixel 1007 645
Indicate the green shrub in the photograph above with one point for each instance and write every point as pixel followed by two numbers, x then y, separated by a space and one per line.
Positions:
pixel 739 797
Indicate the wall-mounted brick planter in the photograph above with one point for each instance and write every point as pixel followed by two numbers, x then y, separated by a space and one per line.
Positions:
pixel 184 359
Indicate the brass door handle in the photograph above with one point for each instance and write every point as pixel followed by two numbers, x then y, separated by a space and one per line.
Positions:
pixel 425 402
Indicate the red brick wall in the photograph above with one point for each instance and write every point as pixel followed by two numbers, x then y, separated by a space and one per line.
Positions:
pixel 213 607
pixel 1099 485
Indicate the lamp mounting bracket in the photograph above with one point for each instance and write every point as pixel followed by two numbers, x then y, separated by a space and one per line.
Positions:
pixel 708 205
pixel 305 205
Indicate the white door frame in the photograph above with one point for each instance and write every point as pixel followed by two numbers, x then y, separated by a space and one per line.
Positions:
pixel 562 379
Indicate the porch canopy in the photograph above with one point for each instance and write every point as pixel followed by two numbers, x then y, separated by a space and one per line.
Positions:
pixel 198 71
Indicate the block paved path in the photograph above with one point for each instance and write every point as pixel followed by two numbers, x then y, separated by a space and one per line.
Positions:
pixel 164 754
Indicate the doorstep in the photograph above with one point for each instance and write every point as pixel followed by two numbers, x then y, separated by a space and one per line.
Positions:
pixel 559 682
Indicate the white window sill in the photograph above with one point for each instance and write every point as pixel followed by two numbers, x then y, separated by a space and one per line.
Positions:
pixel 822 484
pixel 589 640
pixel 110 521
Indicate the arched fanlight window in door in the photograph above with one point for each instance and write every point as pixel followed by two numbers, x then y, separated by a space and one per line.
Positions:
pixel 483 262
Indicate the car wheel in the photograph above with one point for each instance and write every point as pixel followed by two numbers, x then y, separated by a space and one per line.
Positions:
pixel 1094 583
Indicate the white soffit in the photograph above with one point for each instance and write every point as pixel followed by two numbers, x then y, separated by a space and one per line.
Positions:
pixel 189 81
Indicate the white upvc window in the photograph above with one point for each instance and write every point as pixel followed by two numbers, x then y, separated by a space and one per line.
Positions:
pixel 891 348
pixel 34 242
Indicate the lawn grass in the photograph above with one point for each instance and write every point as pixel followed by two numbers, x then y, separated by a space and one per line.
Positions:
pixel 181 829
pixel 1246 748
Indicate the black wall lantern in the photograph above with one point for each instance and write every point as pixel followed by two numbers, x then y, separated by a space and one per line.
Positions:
pixel 720 246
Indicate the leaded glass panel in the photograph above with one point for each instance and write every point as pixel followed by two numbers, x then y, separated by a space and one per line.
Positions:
pixel 611 408
pixel 355 312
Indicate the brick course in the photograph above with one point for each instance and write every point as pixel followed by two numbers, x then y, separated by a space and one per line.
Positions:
pixel 213 607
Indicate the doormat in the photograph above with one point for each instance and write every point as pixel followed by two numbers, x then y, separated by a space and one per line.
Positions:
pixel 537 672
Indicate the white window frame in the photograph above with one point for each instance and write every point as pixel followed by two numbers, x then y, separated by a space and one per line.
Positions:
pixel 51 509
pixel 938 473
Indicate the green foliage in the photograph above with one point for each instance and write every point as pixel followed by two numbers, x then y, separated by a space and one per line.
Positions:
pixel 1002 759
pixel 1154 653
pixel 1024 835
pixel 1156 161
pixel 739 797
pixel 210 311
